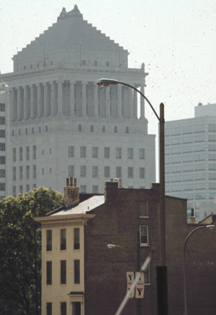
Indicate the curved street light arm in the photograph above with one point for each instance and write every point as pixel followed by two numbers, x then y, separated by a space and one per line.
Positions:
pixel 184 269
pixel 107 82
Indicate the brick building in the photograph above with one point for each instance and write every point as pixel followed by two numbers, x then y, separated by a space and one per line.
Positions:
pixel 129 218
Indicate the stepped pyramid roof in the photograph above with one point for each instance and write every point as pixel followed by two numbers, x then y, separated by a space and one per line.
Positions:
pixel 71 32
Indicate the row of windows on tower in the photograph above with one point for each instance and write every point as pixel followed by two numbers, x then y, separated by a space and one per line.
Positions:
pixel 27 169
pixel 106 154
pixel 63 239
pixel 106 171
pixel 103 129
pixel 21 191
pixel 39 65
pixel 27 153
pixel 29 131
pixel 51 63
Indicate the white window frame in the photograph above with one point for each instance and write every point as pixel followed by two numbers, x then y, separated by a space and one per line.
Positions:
pixel 144 231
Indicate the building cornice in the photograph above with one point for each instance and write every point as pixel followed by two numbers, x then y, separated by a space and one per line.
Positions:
pixel 78 217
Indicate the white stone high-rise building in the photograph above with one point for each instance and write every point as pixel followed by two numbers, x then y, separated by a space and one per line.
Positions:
pixel 190 157
pixel 62 124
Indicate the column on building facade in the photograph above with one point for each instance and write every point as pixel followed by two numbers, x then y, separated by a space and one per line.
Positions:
pixel 13 104
pixel 72 101
pixel 26 103
pixel 52 99
pixel 130 103
pixel 142 113
pixel 60 96
pixel 108 101
pixel 19 105
pixel 96 109
pixel 32 102
pixel 39 101
pixel 135 103
pixel 46 99
pixel 119 104
pixel 84 110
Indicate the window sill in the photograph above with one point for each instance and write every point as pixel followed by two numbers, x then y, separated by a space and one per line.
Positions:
pixel 144 245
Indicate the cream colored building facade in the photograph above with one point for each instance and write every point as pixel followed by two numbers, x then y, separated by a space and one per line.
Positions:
pixel 63 277
pixel 62 124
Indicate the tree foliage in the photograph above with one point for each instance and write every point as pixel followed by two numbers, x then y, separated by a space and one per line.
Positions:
pixel 20 250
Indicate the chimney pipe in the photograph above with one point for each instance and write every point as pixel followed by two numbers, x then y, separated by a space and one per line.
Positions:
pixel 71 181
pixel 67 181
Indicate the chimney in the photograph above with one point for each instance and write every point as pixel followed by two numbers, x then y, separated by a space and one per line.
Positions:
pixel 110 190
pixel 192 217
pixel 71 192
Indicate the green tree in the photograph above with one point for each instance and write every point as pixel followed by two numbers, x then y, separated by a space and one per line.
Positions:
pixel 20 250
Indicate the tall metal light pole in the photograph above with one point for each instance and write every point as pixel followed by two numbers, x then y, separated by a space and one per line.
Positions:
pixel 184 271
pixel 162 297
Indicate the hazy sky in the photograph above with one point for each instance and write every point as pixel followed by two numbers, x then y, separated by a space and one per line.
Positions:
pixel 176 39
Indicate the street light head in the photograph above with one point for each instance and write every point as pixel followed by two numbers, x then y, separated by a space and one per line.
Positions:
pixel 102 83
pixel 111 245
pixel 210 226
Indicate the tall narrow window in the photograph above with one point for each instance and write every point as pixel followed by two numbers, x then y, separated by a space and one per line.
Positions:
pixel 27 153
pixel 82 171
pixel 71 151
pixel 63 239
pixel 130 172
pixel 49 240
pixel 49 272
pixel 143 208
pixel 27 171
pixel 144 237
pixel 130 153
pixel 107 153
pixel 141 172
pixel 95 152
pixel 14 154
pixel 63 271
pixel 63 308
pixel 2 146
pixel 118 153
pixel 106 171
pixel 49 309
pixel 21 173
pixel 147 275
pixel 118 172
pixel 142 154
pixel 14 173
pixel 82 151
pixel 76 308
pixel 21 154
pixel 34 171
pixel 76 238
pixel 94 171
pixel 76 271
pixel 34 152
pixel 70 170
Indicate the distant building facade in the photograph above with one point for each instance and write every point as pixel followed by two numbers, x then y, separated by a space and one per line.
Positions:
pixel 62 124
pixel 80 275
pixel 190 157
pixel 5 161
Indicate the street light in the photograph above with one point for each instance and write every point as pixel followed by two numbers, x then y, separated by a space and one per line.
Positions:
pixel 162 297
pixel 211 226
